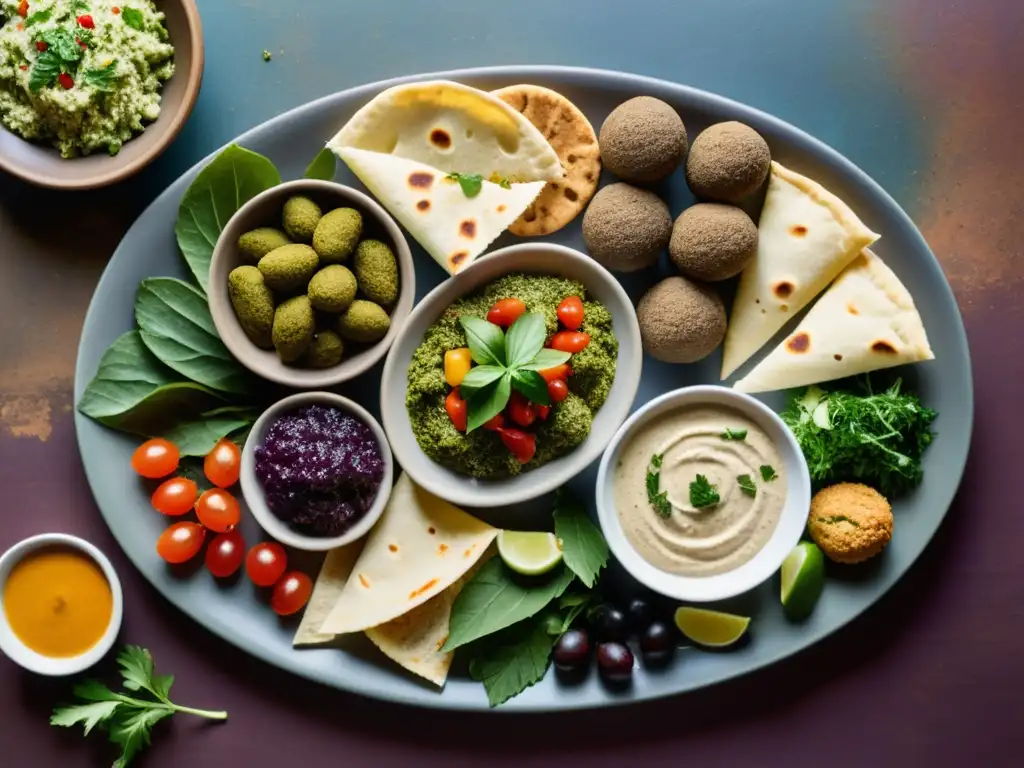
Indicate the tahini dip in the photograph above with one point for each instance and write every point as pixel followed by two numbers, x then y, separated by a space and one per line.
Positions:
pixel 691 441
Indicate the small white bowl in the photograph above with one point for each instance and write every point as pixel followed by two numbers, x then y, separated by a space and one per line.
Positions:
pixel 252 488
pixel 529 258
pixel 20 653
pixel 769 559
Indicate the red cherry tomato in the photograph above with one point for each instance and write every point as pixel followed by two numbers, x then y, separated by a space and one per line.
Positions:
pixel 85 21
pixel 175 497
pixel 570 312
pixel 456 409
pixel 223 464
pixel 180 542
pixel 570 341
pixel 66 81
pixel 23 8
pixel 266 563
pixel 542 411
pixel 562 371
pixel 520 410
pixel 506 311
pixel 225 554
pixel 558 390
pixel 291 593
pixel 155 458
pixel 41 46
pixel 495 423
pixel 520 444
pixel 218 510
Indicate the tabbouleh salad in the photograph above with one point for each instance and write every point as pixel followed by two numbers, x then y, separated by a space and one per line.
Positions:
pixel 84 75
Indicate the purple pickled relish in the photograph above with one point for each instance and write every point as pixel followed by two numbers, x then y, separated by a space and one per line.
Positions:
pixel 320 469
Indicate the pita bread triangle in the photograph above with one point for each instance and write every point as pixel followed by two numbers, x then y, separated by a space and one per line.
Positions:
pixel 865 321
pixel 806 237
pixel 453 228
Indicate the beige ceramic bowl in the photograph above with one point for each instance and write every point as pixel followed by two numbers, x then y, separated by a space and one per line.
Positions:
pixel 42 165
pixel 264 210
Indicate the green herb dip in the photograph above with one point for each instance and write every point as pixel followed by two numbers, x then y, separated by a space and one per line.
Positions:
pixel 481 453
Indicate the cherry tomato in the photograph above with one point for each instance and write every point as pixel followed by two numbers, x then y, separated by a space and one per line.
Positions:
pixel 23 8
pixel 223 464
pixel 570 312
pixel 562 371
pixel 41 46
pixel 291 593
pixel 218 510
pixel 180 542
pixel 266 563
pixel 175 497
pixel 570 341
pixel 85 21
pixel 542 411
pixel 506 311
pixel 520 410
pixel 66 81
pixel 456 408
pixel 155 458
pixel 225 554
pixel 558 390
pixel 495 423
pixel 520 444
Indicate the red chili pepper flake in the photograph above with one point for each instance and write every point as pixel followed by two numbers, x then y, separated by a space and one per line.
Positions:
pixel 115 10
pixel 23 9
pixel 23 67
pixel 85 21
pixel 81 43
pixel 65 81
pixel 41 46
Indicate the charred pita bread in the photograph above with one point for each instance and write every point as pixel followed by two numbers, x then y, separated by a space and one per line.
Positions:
pixel 865 321
pixel 806 237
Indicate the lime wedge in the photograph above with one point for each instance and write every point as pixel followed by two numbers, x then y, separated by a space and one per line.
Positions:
pixel 713 629
pixel 803 578
pixel 529 553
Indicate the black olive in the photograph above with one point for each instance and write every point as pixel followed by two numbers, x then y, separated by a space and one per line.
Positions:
pixel 611 624
pixel 641 614
pixel 615 662
pixel 658 643
pixel 572 650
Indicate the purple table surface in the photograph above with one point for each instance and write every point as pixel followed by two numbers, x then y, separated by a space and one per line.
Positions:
pixel 931 676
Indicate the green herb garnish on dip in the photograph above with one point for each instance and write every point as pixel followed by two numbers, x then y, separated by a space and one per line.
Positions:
pixel 703 493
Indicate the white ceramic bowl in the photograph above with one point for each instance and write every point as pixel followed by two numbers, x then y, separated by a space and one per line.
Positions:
pixel 535 258
pixel 252 489
pixel 21 654
pixel 769 559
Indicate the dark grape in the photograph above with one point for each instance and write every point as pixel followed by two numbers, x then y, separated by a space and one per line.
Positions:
pixel 658 643
pixel 615 662
pixel 641 614
pixel 572 650
pixel 611 624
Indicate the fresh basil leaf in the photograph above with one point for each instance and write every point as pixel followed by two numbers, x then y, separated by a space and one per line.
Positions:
pixel 39 17
pixel 471 183
pixel 545 359
pixel 323 164
pixel 197 438
pixel 61 41
pixel 768 473
pixel 133 18
pixel 479 377
pixel 486 341
pixel 513 660
pixel 532 386
pixel 102 79
pixel 493 600
pixel 487 403
pixel 230 180
pixel 584 549
pixel 524 339
pixel 44 71
pixel 175 324
pixel 746 483
pixel 133 392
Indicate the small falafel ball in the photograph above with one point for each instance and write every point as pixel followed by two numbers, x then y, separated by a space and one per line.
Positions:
pixel 626 228
pixel 643 140
pixel 324 351
pixel 712 241
pixel 254 245
pixel 299 217
pixel 727 162
pixel 681 321
pixel 850 522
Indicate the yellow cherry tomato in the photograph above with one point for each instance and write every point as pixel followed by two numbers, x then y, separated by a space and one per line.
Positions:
pixel 456 365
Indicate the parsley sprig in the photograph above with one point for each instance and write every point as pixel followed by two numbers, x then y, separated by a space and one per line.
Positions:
pixel 703 493
pixel 471 183
pixel 734 434
pixel 657 498
pixel 127 720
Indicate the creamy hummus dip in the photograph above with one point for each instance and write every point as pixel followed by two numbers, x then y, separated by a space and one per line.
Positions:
pixel 733 455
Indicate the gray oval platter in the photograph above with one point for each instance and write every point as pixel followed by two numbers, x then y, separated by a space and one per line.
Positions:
pixel 238 614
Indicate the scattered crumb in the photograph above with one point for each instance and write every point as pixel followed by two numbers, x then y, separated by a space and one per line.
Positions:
pixel 267 55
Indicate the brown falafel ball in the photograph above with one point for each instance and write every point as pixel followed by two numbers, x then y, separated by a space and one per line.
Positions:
pixel 712 241
pixel 728 162
pixel 681 321
pixel 643 140
pixel 850 522
pixel 626 228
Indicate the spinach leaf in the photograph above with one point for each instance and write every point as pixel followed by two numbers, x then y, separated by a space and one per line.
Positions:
pixel 524 339
pixel 133 18
pixel 322 166
pixel 488 402
pixel 486 340
pixel 44 71
pixel 175 324
pixel 532 386
pixel 584 549
pixel 231 179
pixel 197 438
pixel 493 600
pixel 102 79
pixel 513 660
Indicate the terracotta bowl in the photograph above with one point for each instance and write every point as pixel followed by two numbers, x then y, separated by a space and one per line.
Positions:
pixel 42 164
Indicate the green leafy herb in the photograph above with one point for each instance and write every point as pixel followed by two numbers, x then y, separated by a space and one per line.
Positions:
pixel 471 183
pixel 655 496
pixel 703 493
pixel 231 179
pixel 768 473
pixel 532 386
pixel 84 36
pixel 545 359
pixel 61 41
pixel 197 438
pixel 857 434
pixel 493 600
pixel 487 402
pixel 512 660
pixel 80 6
pixel 175 324
pixel 486 340
pixel 480 376
pixel 39 17
pixel 505 182
pixel 584 549
pixel 128 720
pixel 524 339
pixel 102 79
pixel 267 56
pixel 747 485
pixel 133 18
pixel 323 165
pixel 734 434
pixel 44 71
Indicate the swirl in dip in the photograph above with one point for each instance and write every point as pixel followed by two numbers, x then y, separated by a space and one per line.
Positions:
pixel 699 541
